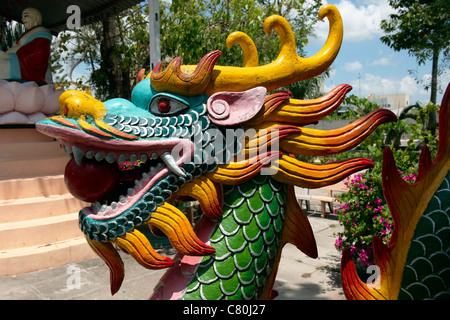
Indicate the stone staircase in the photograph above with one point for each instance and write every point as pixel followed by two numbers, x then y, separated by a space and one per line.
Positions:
pixel 38 217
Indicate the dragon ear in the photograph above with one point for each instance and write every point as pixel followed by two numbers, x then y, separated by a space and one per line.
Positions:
pixel 231 108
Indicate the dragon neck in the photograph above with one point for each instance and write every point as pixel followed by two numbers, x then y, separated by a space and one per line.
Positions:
pixel 247 242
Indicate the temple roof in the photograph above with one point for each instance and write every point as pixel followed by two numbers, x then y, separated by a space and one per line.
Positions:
pixel 54 12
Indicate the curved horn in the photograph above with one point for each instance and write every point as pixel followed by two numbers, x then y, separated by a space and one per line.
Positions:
pixel 288 67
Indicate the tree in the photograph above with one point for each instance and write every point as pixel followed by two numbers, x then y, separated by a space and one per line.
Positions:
pixel 423 28
pixel 191 29
pixel 116 48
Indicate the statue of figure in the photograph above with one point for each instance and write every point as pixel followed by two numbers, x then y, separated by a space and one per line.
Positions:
pixel 28 58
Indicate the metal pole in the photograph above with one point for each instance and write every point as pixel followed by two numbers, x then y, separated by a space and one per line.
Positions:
pixel 154 33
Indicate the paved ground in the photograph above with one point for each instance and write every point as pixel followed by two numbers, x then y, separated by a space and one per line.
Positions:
pixel 299 277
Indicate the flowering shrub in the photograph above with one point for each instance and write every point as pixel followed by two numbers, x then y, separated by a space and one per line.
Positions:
pixel 129 165
pixel 363 213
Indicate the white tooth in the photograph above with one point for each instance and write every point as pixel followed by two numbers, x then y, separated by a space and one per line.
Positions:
pixel 133 157
pixel 77 154
pixel 152 169
pixel 123 199
pixel 138 183
pixel 154 156
pixel 159 166
pixel 89 154
pixel 171 164
pixel 145 176
pixel 99 156
pixel 110 158
pixel 67 149
pixel 114 205
pixel 122 158
pixel 144 158
pixel 102 208
pixel 131 192
pixel 97 205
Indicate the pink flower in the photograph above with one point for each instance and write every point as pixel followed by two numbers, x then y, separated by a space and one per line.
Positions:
pixel 377 201
pixel 338 243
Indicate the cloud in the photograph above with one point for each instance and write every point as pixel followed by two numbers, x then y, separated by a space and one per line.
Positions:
pixel 354 66
pixel 377 85
pixel 361 22
pixel 384 61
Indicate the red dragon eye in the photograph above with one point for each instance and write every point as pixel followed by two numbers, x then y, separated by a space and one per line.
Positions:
pixel 164 105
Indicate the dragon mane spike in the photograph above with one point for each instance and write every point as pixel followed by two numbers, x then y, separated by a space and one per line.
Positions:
pixel 174 224
pixel 203 190
pixel 316 142
pixel 107 252
pixel 137 245
pixel 310 175
pixel 174 80
pixel 303 112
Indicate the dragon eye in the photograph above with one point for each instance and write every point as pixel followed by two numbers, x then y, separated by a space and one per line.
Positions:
pixel 165 106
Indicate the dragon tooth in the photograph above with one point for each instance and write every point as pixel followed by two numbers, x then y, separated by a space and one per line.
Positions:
pixel 114 205
pixel 152 170
pixel 122 158
pixel 145 176
pixel 67 149
pixel 110 158
pixel 144 158
pixel 102 208
pixel 89 154
pixel 154 156
pixel 138 184
pixel 170 162
pixel 123 199
pixel 133 157
pixel 99 156
pixel 97 205
pixel 77 155
pixel 131 192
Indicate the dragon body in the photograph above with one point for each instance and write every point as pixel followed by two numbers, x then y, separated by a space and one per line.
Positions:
pixel 212 133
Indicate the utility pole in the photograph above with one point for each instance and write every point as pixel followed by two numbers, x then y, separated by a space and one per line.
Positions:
pixel 154 32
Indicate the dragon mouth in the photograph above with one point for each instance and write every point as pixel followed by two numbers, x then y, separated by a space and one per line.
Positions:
pixel 91 160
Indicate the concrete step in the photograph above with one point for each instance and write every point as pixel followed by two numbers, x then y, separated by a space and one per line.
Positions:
pixel 34 258
pixel 30 150
pixel 17 210
pixel 32 187
pixel 44 231
pixel 22 135
pixel 30 168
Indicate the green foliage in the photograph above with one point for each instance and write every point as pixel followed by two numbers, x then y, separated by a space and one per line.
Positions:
pixel 419 27
pixel 363 214
pixel 193 28
pixel 9 32
pixel 422 27
pixel 86 45
pixel 363 211
pixel 189 29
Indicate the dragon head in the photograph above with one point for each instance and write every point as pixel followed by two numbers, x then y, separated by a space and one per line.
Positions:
pixel 193 129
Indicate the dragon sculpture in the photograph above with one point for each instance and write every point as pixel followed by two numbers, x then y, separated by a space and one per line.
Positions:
pixel 215 134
